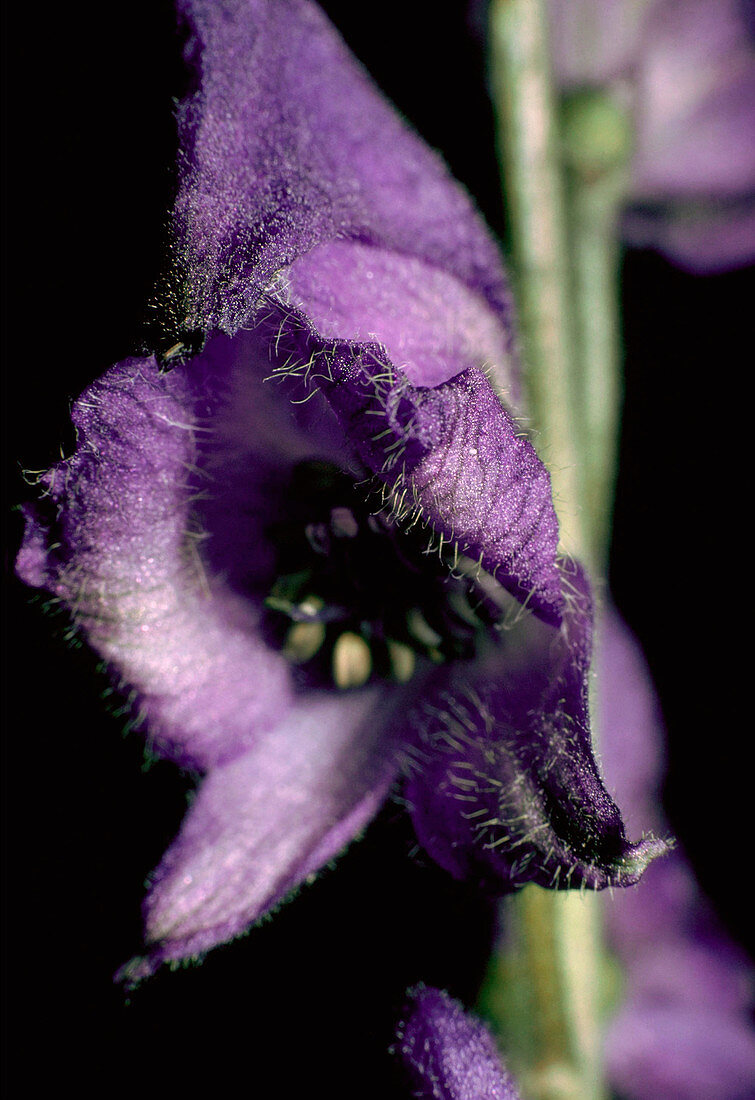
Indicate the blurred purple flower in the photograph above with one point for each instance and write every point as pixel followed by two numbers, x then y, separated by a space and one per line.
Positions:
pixel 684 1031
pixel 448 1055
pixel 299 550
pixel 686 70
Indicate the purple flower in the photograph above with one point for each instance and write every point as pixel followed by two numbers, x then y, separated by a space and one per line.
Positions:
pixel 686 71
pixel 304 552
pixel 448 1055
pixel 684 1030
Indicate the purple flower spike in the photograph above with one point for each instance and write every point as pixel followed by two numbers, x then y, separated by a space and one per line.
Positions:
pixel 684 1031
pixel 447 1054
pixel 686 68
pixel 306 538
pixel 694 167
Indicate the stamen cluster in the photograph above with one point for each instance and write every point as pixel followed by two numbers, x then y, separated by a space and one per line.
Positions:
pixel 359 596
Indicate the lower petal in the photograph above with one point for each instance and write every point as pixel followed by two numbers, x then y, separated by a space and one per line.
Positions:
pixel 264 822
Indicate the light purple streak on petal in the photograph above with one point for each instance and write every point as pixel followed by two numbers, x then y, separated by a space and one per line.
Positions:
pixel 265 821
pixel 122 555
pixel 594 42
pixel 695 103
pixel 431 324
pixel 288 144
pixel 447 1053
pixel 674 1052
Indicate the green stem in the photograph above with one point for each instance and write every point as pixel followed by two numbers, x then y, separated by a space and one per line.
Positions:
pixel 596 147
pixel 529 153
pixel 542 994
pixel 543 991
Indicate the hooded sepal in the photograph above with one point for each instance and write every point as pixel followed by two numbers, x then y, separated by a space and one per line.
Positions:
pixel 503 786
pixel 417 367
pixel 287 143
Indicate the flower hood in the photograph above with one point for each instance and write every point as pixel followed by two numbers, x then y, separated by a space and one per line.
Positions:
pixel 257 540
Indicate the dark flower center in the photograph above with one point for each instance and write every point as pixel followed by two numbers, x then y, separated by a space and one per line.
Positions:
pixel 357 596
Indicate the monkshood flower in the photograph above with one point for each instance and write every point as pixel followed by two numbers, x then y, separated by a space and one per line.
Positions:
pixel 685 72
pixel 684 1031
pixel 321 546
pixel 448 1054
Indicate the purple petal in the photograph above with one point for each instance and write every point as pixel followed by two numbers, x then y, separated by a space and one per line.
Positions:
pixel 154 534
pixel 667 904
pixel 454 459
pixel 264 822
pixel 115 541
pixel 448 1055
pixel 118 549
pixel 431 324
pixel 632 747
pixel 422 403
pixel 504 789
pixel 707 975
pixel 287 144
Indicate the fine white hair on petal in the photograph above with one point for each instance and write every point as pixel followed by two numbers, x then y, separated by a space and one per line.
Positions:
pixel 265 821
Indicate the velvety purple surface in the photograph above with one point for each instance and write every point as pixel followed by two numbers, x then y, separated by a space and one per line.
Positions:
pixel 448 1054
pixel 286 144
pixel 417 369
pixel 507 789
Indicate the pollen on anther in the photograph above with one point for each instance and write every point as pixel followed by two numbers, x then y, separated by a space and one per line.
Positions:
pixel 352 661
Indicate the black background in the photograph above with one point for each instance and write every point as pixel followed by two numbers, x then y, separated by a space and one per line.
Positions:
pixel 311 996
